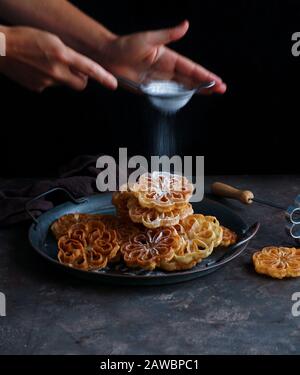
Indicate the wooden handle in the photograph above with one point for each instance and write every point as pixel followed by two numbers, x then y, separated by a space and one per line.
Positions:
pixel 227 191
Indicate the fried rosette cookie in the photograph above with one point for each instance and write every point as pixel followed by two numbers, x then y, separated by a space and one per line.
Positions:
pixel 229 237
pixel 149 249
pixel 186 256
pixel 91 242
pixel 151 218
pixel 162 191
pixel 277 262
pixel 102 244
pixel 72 253
pixel 61 226
pixel 203 232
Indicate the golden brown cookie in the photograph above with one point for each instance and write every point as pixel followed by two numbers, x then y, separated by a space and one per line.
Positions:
pixel 149 249
pixel 186 256
pixel 63 224
pixel 229 237
pixel 277 262
pixel 151 218
pixel 203 232
pixel 72 253
pixel 88 246
pixel 162 191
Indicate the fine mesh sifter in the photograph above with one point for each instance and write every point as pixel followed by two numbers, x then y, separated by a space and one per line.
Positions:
pixel 165 95
pixel 292 213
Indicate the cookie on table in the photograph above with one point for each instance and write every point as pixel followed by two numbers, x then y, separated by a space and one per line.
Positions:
pixel 277 262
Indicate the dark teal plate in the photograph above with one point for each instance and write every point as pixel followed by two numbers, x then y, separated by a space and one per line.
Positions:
pixel 44 243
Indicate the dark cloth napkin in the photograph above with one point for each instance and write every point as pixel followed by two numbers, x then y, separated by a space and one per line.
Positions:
pixel 78 177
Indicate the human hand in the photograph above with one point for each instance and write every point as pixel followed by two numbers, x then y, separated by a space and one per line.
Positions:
pixel 38 59
pixel 144 55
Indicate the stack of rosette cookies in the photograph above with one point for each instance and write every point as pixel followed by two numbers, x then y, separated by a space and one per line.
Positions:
pixel 155 227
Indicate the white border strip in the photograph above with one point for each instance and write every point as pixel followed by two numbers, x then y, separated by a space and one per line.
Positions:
pixel 2 44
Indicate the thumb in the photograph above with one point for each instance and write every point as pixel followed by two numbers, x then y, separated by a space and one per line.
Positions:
pixel 166 36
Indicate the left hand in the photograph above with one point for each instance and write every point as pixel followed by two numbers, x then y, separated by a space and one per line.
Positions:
pixel 144 54
pixel 37 59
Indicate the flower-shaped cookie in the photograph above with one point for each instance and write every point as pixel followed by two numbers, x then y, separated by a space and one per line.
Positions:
pixel 229 237
pixel 147 250
pixel 203 232
pixel 277 262
pixel 186 257
pixel 72 253
pixel 162 191
pixel 62 225
pixel 102 244
pixel 151 218
pixel 97 245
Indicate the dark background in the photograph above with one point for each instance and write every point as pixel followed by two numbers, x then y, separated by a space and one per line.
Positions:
pixel 253 128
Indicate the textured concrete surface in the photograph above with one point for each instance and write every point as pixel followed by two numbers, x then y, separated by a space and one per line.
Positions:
pixel 232 311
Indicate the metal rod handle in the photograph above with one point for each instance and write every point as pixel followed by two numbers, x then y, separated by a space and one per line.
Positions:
pixel 227 191
pixel 70 195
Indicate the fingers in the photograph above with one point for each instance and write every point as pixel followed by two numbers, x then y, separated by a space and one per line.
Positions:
pixel 76 80
pixel 198 73
pixel 183 66
pixel 217 89
pixel 166 36
pixel 220 88
pixel 47 61
pixel 91 69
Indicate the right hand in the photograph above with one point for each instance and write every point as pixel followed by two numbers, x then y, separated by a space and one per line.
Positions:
pixel 38 59
pixel 145 55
